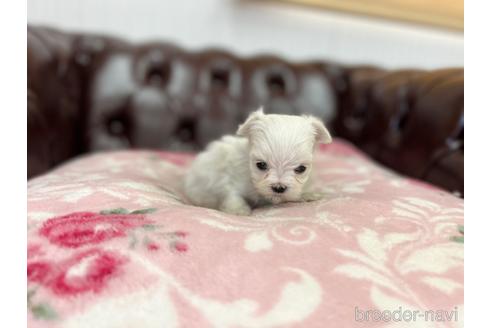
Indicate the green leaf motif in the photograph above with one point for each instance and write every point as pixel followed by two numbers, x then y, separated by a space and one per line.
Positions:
pixel 458 239
pixel 149 227
pixel 119 210
pixel 144 211
pixel 461 229
pixel 43 311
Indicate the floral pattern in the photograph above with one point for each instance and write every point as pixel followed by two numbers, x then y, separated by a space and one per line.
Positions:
pixel 86 271
pixel 112 242
pixel 84 228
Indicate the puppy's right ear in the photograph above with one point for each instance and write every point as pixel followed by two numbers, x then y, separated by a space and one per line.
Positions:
pixel 244 129
pixel 321 133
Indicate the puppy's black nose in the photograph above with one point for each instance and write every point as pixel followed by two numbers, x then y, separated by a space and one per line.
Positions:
pixel 279 188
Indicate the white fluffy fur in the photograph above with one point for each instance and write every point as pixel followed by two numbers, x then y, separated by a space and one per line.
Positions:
pixel 225 175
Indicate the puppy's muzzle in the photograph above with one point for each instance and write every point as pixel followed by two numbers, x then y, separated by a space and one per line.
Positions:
pixel 279 188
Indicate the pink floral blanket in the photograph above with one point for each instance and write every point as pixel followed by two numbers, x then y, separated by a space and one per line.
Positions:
pixel 112 243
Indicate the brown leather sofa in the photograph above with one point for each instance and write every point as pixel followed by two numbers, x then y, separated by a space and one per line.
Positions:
pixel 89 93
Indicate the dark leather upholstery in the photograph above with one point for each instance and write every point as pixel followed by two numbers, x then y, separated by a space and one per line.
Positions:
pixel 89 92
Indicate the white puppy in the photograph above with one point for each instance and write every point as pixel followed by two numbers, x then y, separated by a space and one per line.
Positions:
pixel 269 162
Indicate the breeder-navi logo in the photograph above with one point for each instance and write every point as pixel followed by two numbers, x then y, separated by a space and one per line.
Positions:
pixel 406 315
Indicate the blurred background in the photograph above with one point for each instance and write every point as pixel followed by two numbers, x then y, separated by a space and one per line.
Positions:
pixel 385 75
pixel 386 33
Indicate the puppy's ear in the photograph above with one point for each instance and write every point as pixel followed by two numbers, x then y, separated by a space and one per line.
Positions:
pixel 244 129
pixel 322 134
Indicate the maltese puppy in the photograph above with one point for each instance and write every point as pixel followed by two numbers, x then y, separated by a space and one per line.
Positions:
pixel 268 162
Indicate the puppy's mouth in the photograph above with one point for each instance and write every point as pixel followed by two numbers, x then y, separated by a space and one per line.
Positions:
pixel 275 199
pixel 284 198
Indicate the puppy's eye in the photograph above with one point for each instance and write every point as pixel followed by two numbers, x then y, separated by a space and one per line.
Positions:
pixel 262 166
pixel 300 169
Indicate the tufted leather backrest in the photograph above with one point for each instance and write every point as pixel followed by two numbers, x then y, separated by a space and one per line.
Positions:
pixel 88 93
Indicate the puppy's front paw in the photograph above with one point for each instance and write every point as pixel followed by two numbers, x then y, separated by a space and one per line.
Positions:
pixel 235 205
pixel 311 196
pixel 242 210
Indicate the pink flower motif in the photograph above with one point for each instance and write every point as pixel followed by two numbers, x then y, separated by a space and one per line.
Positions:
pixel 34 250
pixel 83 228
pixel 39 271
pixel 180 246
pixel 99 265
pixel 83 272
pixel 181 234
pixel 153 246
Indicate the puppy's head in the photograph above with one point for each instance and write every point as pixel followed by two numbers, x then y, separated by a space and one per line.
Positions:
pixel 281 152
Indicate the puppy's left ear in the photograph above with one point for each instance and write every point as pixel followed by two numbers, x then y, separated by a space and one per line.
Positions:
pixel 244 129
pixel 322 134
